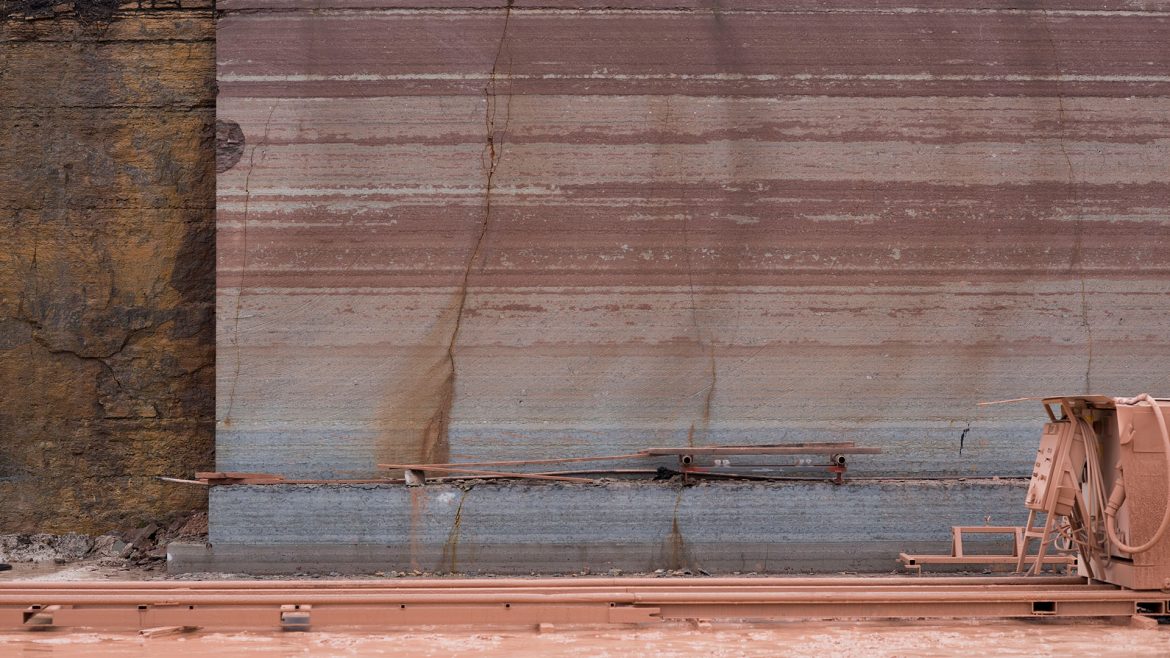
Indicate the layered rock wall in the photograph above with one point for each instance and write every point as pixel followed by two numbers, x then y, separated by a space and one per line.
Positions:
pixel 480 231
pixel 106 261
pixel 485 231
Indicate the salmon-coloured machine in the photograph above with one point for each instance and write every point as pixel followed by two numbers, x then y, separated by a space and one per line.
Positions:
pixel 1101 484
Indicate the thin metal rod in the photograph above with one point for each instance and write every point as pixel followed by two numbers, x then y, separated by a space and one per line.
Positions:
pixel 495 474
pixel 523 462
pixel 809 449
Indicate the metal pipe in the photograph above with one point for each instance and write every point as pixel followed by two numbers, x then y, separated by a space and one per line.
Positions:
pixel 698 589
pixel 313 597
pixel 587 581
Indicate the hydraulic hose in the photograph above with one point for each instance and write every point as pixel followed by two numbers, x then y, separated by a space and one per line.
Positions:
pixel 1095 500
pixel 1117 497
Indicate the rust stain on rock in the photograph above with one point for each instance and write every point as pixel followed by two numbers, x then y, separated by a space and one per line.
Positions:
pixel 418 507
pixel 675 554
pixel 449 561
pixel 415 411
pixel 431 382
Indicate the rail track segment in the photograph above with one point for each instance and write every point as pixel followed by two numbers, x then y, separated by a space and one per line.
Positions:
pixel 319 605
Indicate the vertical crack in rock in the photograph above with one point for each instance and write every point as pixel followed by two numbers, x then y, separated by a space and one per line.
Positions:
pixel 1075 263
pixel 33 271
pixel 710 388
pixel 450 556
pixel 435 439
pixel 62 208
pixel 702 339
pixel 676 553
pixel 728 57
pixel 227 416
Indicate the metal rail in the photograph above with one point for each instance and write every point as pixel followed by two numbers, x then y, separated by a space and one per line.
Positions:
pixel 302 605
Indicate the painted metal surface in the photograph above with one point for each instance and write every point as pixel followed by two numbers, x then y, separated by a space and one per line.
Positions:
pixel 608 601
pixel 482 233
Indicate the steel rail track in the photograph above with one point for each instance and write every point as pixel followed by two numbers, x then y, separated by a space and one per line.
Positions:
pixel 575 581
pixel 303 605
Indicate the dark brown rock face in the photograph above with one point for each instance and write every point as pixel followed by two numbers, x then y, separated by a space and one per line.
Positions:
pixel 106 261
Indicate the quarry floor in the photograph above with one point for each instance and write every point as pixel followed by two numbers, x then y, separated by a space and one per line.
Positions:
pixel 817 638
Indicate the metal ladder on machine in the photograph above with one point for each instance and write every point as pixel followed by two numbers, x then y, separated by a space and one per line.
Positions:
pixel 1031 531
pixel 1047 533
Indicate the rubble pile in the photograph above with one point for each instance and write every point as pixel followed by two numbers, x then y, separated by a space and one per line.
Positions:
pixel 143 546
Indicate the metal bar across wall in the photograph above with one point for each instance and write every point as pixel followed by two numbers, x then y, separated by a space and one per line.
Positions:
pixel 301 605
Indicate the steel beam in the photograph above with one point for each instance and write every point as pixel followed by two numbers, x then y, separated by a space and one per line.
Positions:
pixel 302 605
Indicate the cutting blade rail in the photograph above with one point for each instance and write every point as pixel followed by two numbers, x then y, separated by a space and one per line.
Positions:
pixel 317 605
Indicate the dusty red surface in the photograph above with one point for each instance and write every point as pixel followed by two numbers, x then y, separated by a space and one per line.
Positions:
pixel 862 639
